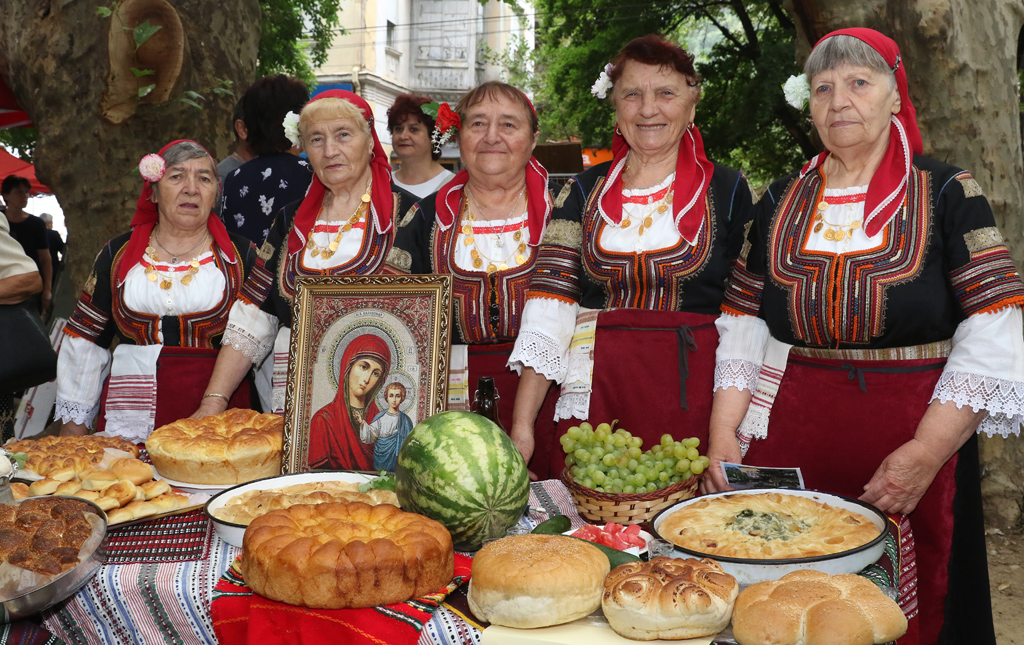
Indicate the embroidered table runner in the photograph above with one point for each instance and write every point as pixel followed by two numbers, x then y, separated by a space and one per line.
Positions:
pixel 176 538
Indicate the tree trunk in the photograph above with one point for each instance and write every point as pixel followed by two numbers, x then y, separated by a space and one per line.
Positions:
pixel 70 70
pixel 961 62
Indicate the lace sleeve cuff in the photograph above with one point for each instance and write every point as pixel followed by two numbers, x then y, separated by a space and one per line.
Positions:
pixel 736 373
pixel 71 412
pixel 541 352
pixel 1004 400
pixel 251 331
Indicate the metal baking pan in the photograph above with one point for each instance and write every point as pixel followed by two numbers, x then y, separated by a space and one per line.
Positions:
pixel 64 585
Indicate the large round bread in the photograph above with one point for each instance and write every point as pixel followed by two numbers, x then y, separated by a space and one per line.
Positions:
pixel 339 556
pixel 528 581
pixel 669 598
pixel 234 447
pixel 814 608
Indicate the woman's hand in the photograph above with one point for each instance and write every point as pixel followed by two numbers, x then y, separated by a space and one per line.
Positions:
pixel 902 478
pixel 210 406
pixel 522 437
pixel 724 448
pixel 71 429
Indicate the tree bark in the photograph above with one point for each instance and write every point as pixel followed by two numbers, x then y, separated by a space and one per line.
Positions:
pixel 961 62
pixel 61 60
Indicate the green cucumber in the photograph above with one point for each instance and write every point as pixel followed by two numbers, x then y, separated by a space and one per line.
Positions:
pixel 615 557
pixel 555 525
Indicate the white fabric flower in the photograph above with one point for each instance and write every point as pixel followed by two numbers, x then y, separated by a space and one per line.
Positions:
pixel 603 83
pixel 152 168
pixel 291 128
pixel 797 91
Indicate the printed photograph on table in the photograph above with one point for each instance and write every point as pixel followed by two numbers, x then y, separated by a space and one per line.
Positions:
pixel 745 477
pixel 368 361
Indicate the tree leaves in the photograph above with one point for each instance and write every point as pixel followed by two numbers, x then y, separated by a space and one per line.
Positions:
pixel 296 35
pixel 143 32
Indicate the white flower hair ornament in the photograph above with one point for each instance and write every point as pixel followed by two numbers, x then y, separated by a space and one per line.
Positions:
pixel 603 83
pixel 152 168
pixel 797 91
pixel 291 128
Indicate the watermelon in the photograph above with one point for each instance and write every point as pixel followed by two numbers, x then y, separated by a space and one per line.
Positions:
pixel 461 469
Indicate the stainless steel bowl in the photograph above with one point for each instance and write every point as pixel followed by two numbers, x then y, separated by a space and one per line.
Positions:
pixel 63 586
pixel 748 571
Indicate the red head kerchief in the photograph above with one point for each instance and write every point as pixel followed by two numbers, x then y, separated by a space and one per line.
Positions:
pixel 888 187
pixel 147 216
pixel 538 203
pixel 381 199
pixel 693 176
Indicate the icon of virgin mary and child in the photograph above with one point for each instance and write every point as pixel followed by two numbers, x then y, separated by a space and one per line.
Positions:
pixel 351 432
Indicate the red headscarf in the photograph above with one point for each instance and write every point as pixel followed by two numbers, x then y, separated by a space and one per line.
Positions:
pixel 381 199
pixel 888 187
pixel 147 216
pixel 538 205
pixel 693 176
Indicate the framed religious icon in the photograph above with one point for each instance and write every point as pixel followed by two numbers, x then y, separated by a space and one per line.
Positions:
pixel 368 361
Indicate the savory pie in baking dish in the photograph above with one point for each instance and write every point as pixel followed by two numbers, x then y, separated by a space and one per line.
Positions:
pixel 766 526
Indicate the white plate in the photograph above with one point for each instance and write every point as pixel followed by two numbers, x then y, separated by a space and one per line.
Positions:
pixel 232 533
pixel 634 550
pixel 189 487
pixel 749 571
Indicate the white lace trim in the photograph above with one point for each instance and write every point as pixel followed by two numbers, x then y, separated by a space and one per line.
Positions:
pixel 738 373
pixel 541 352
pixel 70 411
pixel 127 429
pixel 1004 400
pixel 253 348
pixel 573 405
pixel 754 426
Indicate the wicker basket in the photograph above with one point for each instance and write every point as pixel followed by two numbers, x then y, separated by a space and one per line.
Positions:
pixel 623 508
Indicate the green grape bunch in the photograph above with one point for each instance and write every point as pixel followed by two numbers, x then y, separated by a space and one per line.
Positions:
pixel 611 460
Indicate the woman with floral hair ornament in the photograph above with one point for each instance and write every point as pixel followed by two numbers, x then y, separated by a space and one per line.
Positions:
pixel 164 291
pixel 647 240
pixel 483 227
pixel 877 314
pixel 345 225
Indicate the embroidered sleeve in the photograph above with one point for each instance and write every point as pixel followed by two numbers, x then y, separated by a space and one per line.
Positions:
pixel 544 337
pixel 82 368
pixel 91 319
pixel 740 352
pixel 982 273
pixel 743 290
pixel 985 370
pixel 250 330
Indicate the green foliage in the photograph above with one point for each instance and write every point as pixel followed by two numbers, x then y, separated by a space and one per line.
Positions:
pixel 296 35
pixel 742 115
pixel 21 142
pixel 142 32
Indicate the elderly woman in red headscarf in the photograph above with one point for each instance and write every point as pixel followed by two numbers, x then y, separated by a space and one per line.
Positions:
pixel 647 240
pixel 877 314
pixel 334 431
pixel 164 291
pixel 345 225
pixel 483 228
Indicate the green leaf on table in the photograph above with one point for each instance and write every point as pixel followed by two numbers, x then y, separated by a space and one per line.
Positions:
pixel 385 481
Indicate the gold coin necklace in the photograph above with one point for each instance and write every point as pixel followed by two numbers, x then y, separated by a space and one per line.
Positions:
pixel 662 206
pixel 153 274
pixel 831 231
pixel 331 247
pixel 495 265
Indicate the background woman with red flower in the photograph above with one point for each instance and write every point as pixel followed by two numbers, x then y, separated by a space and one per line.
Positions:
pixel 410 129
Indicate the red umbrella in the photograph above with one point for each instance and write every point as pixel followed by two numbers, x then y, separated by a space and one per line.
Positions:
pixel 11 165
pixel 11 114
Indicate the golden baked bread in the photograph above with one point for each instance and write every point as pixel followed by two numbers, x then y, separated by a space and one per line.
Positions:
pixel 528 581
pixel 766 526
pixel 44 535
pixel 814 608
pixel 669 598
pixel 338 556
pixel 244 508
pixel 65 457
pixel 230 448
pixel 20 490
pixel 133 470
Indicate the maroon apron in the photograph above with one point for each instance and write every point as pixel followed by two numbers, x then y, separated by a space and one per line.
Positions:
pixel 182 374
pixel 837 420
pixel 654 371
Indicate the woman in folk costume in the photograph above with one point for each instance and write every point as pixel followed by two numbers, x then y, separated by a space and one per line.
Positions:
pixel 876 314
pixel 334 430
pixel 647 240
pixel 483 228
pixel 345 225
pixel 164 291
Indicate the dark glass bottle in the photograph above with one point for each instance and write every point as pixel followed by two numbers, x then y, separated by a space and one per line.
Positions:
pixel 485 401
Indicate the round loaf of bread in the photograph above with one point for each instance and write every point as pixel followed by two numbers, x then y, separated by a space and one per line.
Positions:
pixel 230 448
pixel 814 607
pixel 528 581
pixel 340 556
pixel 669 598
